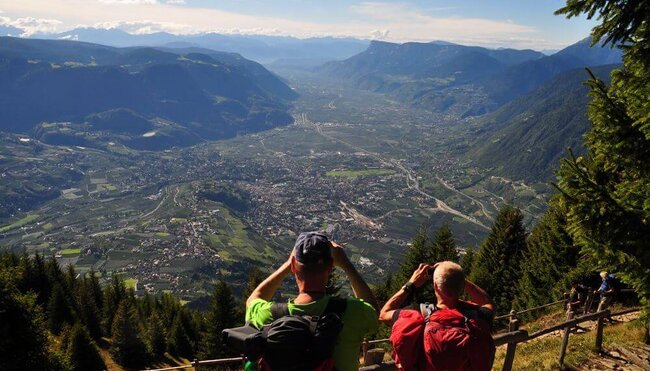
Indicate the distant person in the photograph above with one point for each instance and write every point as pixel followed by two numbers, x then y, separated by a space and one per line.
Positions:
pixel 451 335
pixel 311 262
pixel 606 291
pixel 576 296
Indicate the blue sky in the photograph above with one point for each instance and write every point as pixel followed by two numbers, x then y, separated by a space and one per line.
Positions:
pixel 503 23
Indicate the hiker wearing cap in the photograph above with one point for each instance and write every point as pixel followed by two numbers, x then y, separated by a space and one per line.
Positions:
pixel 606 291
pixel 311 262
pixel 451 334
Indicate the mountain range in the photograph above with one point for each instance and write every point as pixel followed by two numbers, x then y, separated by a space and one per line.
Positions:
pixel 260 48
pixel 466 81
pixel 65 89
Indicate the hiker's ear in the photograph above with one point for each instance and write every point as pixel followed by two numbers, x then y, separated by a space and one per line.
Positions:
pixel 293 264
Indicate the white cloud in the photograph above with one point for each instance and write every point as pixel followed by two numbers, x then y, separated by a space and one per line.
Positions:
pixel 147 27
pixel 411 23
pixel 31 25
pixel 373 19
pixel 379 34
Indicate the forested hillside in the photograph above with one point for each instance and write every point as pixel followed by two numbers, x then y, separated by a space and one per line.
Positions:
pixel 60 321
pixel 526 138
pixel 185 97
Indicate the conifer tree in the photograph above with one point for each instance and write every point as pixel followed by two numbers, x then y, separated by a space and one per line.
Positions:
pixel 444 246
pixel 222 315
pixel 89 314
pixel 468 260
pixel 24 343
pixel 127 348
pixel 156 337
pixel 59 310
pixel 497 263
pixel 95 288
pixel 82 352
pixel 548 263
pixel 114 295
pixel 419 252
pixel 179 342
pixel 384 290
pixel 607 191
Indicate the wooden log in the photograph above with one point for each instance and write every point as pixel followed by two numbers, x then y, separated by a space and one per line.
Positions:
pixel 510 337
pixel 512 346
pixel 565 340
pixel 373 357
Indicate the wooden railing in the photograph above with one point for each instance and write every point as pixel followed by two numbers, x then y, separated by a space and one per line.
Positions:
pixel 514 336
pixel 510 339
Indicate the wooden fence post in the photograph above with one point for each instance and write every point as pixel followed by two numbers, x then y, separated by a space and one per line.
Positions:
pixel 195 364
pixel 364 347
pixel 588 301
pixel 599 331
pixel 511 347
pixel 565 339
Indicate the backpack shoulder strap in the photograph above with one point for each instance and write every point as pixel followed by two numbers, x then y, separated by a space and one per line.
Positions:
pixel 336 305
pixel 279 310
pixel 427 309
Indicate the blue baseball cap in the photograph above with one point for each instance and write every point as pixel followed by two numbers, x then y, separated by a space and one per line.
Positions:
pixel 313 248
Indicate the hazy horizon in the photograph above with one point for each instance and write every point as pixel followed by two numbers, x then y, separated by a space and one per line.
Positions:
pixel 506 24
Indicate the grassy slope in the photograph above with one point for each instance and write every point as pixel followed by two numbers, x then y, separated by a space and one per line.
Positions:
pixel 543 354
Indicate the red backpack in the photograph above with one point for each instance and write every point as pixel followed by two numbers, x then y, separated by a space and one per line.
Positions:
pixel 442 339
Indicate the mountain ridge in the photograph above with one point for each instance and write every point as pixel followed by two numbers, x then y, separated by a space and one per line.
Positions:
pixel 201 96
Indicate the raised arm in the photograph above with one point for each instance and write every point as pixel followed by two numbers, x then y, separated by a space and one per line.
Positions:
pixel 267 288
pixel 478 295
pixel 418 278
pixel 359 286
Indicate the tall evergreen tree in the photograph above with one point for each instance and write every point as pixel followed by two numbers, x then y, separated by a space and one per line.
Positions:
pixel 24 343
pixel 607 192
pixel 497 263
pixel 82 352
pixel 128 348
pixel 222 315
pixel 156 335
pixel 59 310
pixel 179 342
pixel 444 245
pixel 419 252
pixel 114 295
pixel 468 260
pixel 549 261
pixel 384 290
pixel 88 311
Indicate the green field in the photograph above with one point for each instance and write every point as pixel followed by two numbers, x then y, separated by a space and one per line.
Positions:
pixel 357 173
pixel 26 220
pixel 70 251
pixel 130 283
pixel 162 234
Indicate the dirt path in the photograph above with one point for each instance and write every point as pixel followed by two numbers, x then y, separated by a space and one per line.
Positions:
pixel 620 358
